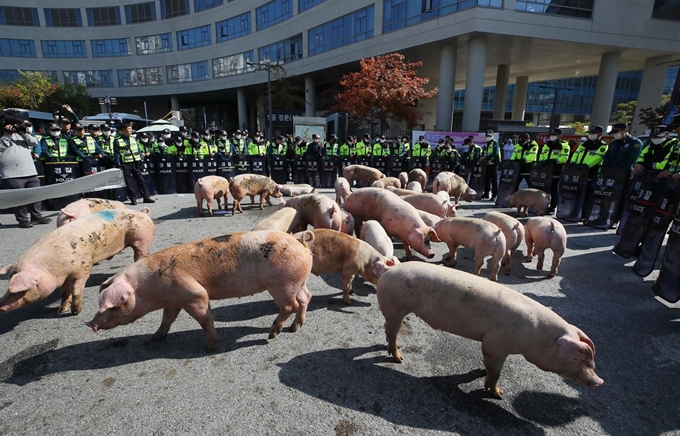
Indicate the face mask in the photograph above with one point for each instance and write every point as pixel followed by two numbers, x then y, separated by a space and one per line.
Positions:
pixel 553 138
pixel 489 138
pixel 106 133
pixel 592 136
pixel 238 136
pixel 223 138
pixel 184 134
pixel 166 136
pixel 54 133
pixel 29 130
pixel 657 141
pixel 206 137
pixel 618 135
pixel 144 141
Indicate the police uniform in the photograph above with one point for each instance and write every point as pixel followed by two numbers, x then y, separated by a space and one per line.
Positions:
pixel 128 156
pixel 526 153
pixel 492 155
pixel 556 151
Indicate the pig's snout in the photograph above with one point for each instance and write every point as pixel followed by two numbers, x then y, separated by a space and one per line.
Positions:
pixel 92 325
pixel 431 255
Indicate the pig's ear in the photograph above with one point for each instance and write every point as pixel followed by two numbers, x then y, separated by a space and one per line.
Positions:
pixel 114 295
pixel 22 282
pixel 433 235
pixel 586 339
pixel 333 210
pixel 416 237
pixel 6 269
pixel 106 284
pixel 574 352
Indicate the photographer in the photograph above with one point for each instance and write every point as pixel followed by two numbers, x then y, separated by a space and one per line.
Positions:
pixel 17 170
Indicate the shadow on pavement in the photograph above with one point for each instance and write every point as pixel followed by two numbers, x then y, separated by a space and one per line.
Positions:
pixel 37 310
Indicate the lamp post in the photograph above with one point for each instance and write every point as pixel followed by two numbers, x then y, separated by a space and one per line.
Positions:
pixel 267 66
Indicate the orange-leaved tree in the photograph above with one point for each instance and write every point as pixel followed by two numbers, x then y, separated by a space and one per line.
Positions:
pixel 387 87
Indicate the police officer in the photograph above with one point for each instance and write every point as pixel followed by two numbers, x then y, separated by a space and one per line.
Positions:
pixel 186 138
pixel 525 152
pixel 300 146
pixel 332 146
pixel 206 137
pixel 224 146
pixel 474 154
pixel 673 165
pixel 238 142
pixel 624 150
pixel 84 146
pixel 654 157
pixel 128 156
pixel 491 155
pixel 592 151
pixel 421 148
pixel 363 147
pixel 555 150
pixel 314 154
pixel 277 147
pixel 348 149
pixel 256 146
pixel 144 143
pixel 450 153
pixel 106 140
pixel 290 157
pixel 66 128
pixel 379 148
pixel 54 147
pixel 197 146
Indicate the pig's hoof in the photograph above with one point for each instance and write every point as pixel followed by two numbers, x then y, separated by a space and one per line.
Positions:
pixel 212 348
pixel 274 331
pixel 295 327
pixel 347 300
pixel 76 309
pixel 63 309
pixel 551 275
pixel 157 337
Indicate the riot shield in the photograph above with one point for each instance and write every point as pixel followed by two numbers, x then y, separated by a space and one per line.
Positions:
pixel 572 192
pixel 417 162
pixel 60 172
pixel 380 164
pixel 300 175
pixel 241 164
pixel 183 175
pixel 197 166
pixel 395 166
pixel 148 171
pixel 633 192
pixel 166 176
pixel 91 165
pixel 477 179
pixel 640 216
pixel 329 172
pixel 541 176
pixel 665 210
pixel 364 160
pixel 312 171
pixel 667 285
pixel 605 197
pixel 279 171
pixel 509 170
pixel 211 166
pixel 343 162
pixel 437 165
pixel 40 169
pixel 257 165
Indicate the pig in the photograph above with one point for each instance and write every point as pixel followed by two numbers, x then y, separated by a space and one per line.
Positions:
pixel 361 173
pixel 513 231
pixel 485 238
pixel 528 198
pixel 317 210
pixel 454 185
pixel 503 320
pixel 86 206
pixel 399 192
pixel 342 190
pixel 347 225
pixel 403 178
pixel 295 190
pixel 543 233
pixel 210 188
pixel 374 235
pixel 417 175
pixel 397 217
pixel 187 276
pixel 431 203
pixel 385 182
pixel 429 219
pixel 63 258
pixel 333 251
pixel 444 195
pixel 287 220
pixel 415 187
pixel 252 184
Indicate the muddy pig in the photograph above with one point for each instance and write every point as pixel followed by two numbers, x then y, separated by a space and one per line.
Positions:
pixel 543 233
pixel 252 184
pixel 375 236
pixel 63 258
pixel 342 190
pixel 385 182
pixel 503 320
pixel 188 276
pixel 333 251
pixel 397 217
pixel 454 185
pixel 295 190
pixel 528 198
pixel 287 220
pixel 84 207
pixel 211 188
pixel 485 238
pixel 403 178
pixel 319 211
pixel 415 187
pixel 361 173
pixel 431 203
pixel 417 175
pixel 513 231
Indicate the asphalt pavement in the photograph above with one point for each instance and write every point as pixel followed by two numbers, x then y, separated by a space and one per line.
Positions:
pixel 334 376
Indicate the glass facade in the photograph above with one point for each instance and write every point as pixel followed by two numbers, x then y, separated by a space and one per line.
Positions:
pixel 303 5
pixel 13 16
pixel 233 28
pixel 153 44
pixel 193 72
pixel 140 77
pixel 232 65
pixel 285 51
pixel 273 13
pixel 64 49
pixel 9 76
pixel 17 48
pixel 349 29
pixel 565 8
pixel 90 78
pixel 666 9
pixel 63 18
pixel 398 14
pixel 140 13
pixel 103 16
pixel 202 5
pixel 106 48
pixel 193 38
pixel 174 8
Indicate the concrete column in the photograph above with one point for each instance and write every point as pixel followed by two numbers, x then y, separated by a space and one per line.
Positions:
pixel 447 82
pixel 536 118
pixel 519 103
pixel 502 77
pixel 604 92
pixel 377 20
pixel 310 97
pixel 242 108
pixel 651 89
pixel 474 83
pixel 174 103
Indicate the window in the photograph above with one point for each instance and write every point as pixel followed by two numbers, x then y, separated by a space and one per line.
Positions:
pixel 94 79
pixel 666 9
pixel 106 48
pixel 174 8
pixel 398 14
pixel 193 38
pixel 568 8
pixel 154 44
pixel 351 28
pixel 273 13
pixel 232 65
pixel 17 48
pixel 140 13
pixel 303 5
pixel 202 5
pixel 233 27
pixel 103 16
pixel 63 49
pixel 140 77
pixel 12 16
pixel 10 76
pixel 284 51
pixel 193 72
pixel 63 18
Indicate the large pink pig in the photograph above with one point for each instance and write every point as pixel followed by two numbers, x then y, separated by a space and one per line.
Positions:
pixel 387 181
pixel 513 231
pixel 317 210
pixel 64 257
pixel 418 175
pixel 361 173
pixel 252 184
pixel 454 185
pixel 342 190
pixel 503 320
pixel 287 220
pixel 403 178
pixel 431 203
pixel 543 233
pixel 211 188
pixel 397 217
pixel 188 276
pixel 84 207
pixel 375 236
pixel 528 198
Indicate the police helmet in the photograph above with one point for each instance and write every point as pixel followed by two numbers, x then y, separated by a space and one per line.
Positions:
pixel 142 135
pixel 195 135
pixel 106 127
pixel 166 132
pixel 183 129
pixel 94 127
